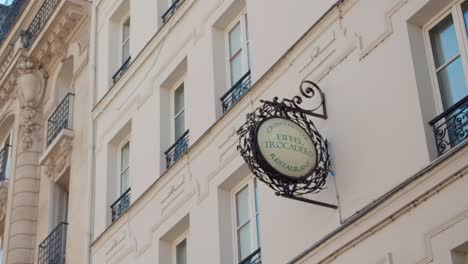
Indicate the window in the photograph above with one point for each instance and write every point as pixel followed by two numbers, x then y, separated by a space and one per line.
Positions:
pixel 179 111
pixel 125 40
pixel 238 50
pixel 448 46
pixel 247 229
pixel 5 157
pixel 447 39
pixel 181 252
pixel 124 167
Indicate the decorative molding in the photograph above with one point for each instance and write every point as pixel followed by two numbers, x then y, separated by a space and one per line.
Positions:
pixel 3 200
pixel 57 157
pixel 387 259
pixel 388 30
pixel 429 258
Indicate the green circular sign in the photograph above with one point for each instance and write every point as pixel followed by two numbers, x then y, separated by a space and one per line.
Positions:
pixel 286 147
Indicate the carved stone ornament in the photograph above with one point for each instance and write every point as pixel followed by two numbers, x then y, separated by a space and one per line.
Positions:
pixel 31 86
pixel 3 199
pixel 57 159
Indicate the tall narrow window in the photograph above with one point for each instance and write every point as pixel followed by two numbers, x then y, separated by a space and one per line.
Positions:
pixel 124 167
pixel 247 220
pixel 181 252
pixel 448 62
pixel 449 41
pixel 125 40
pixel 238 42
pixel 179 111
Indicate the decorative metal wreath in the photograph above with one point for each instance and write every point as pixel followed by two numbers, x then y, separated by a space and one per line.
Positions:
pixel 290 109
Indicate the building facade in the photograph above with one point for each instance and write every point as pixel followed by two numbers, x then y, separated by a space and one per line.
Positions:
pixel 175 80
pixel 44 81
pixel 120 118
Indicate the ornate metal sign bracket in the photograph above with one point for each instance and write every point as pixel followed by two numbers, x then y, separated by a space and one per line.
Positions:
pixel 308 90
pixel 272 153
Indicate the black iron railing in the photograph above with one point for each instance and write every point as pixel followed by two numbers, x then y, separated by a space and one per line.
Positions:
pixel 4 153
pixel 61 118
pixel 177 150
pixel 120 206
pixel 236 92
pixel 171 11
pixel 8 17
pixel 52 249
pixel 120 72
pixel 40 20
pixel 254 258
pixel 451 127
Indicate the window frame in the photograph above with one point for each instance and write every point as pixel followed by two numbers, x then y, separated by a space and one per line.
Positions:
pixel 454 9
pixel 245 44
pixel 121 38
pixel 120 147
pixel 174 88
pixel 177 241
pixel 250 182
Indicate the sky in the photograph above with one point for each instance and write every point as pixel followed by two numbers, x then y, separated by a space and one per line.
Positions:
pixel 5 2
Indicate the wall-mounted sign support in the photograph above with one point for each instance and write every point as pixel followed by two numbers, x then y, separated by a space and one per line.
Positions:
pixel 284 149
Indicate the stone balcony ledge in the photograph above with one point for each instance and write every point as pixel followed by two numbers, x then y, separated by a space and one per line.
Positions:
pixel 56 158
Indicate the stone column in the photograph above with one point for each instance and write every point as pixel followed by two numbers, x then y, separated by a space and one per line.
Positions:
pixel 25 186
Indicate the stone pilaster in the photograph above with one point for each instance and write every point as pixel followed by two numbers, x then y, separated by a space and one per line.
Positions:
pixel 25 186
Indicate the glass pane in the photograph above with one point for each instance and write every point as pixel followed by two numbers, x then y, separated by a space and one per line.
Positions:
pixel 248 41
pixel 179 99
pixel 235 40
pixel 125 157
pixel 125 51
pixel 243 242
pixel 181 252
pixel 179 128
pixel 126 30
pixel 242 206
pixel 452 83
pixel 237 69
pixel 444 41
pixel 465 13
pixel 124 181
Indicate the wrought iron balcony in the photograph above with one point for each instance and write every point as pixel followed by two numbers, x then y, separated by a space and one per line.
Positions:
pixel 171 11
pixel 177 150
pixel 236 92
pixel 120 206
pixel 9 14
pixel 451 127
pixel 40 20
pixel 120 72
pixel 61 118
pixel 254 258
pixel 3 162
pixel 52 249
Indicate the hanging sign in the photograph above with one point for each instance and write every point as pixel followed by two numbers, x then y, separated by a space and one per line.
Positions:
pixel 282 146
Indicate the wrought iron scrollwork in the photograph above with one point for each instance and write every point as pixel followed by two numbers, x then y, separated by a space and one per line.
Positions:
pixel 292 110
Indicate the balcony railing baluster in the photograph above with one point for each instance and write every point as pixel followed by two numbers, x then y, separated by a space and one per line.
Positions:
pixel 238 90
pixel 451 127
pixel 171 11
pixel 254 258
pixel 120 206
pixel 3 162
pixel 177 150
pixel 52 249
pixel 61 118
pixel 39 21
